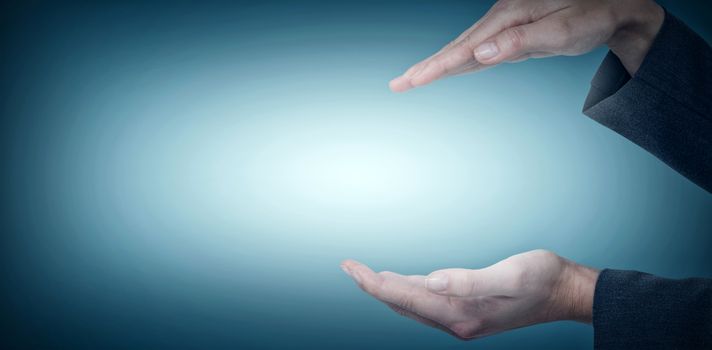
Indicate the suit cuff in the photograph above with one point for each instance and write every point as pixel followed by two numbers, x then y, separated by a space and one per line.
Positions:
pixel 635 310
pixel 665 106
pixel 669 66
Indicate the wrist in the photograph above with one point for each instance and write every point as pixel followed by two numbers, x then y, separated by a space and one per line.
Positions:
pixel 574 294
pixel 636 25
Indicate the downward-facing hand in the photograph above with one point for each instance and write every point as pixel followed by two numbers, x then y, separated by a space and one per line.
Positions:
pixel 515 30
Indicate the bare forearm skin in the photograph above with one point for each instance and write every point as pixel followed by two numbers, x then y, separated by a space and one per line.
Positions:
pixel 637 24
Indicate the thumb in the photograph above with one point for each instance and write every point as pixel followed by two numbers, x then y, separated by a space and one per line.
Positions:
pixel 467 283
pixel 513 42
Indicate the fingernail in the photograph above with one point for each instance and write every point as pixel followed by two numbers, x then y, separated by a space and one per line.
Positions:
pixel 436 283
pixel 346 270
pixel 486 51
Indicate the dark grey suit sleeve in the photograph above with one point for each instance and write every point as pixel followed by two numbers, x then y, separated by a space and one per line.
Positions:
pixel 634 310
pixel 666 107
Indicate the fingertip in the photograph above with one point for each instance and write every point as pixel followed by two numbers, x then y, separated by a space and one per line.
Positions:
pixel 400 84
pixel 356 267
pixel 351 263
pixel 348 266
pixel 344 265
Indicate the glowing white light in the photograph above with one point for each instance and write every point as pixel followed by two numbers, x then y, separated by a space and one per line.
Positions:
pixel 350 174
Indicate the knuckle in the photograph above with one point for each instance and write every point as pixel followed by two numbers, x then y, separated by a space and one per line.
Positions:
pixel 400 311
pixel 460 53
pixel 406 302
pixel 564 33
pixel 440 66
pixel 516 38
pixel 469 43
pixel 564 27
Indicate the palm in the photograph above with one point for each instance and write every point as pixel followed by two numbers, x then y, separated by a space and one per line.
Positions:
pixel 512 293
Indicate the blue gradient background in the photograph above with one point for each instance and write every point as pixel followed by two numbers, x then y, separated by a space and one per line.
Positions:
pixel 191 175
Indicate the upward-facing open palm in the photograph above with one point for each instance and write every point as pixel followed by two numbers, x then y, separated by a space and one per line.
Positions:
pixel 533 287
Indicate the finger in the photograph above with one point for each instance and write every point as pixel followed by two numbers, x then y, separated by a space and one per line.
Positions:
pixel 470 67
pixel 459 51
pixel 467 32
pixel 496 280
pixel 515 42
pixel 444 63
pixel 362 274
pixel 419 66
pixel 400 84
pixel 417 281
pixel 407 292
